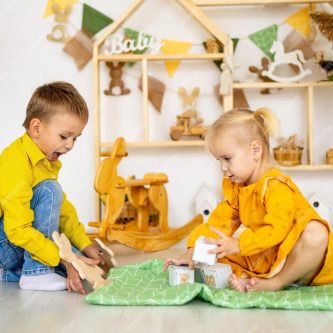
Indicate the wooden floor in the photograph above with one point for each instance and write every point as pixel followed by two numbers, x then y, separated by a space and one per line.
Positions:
pixel 24 311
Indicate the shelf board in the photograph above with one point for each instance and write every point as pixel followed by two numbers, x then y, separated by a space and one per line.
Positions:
pixel 251 2
pixel 262 85
pixel 306 167
pixel 154 144
pixel 159 57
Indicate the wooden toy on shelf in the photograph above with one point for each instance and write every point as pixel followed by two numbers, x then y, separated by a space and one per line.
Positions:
pixel 59 31
pixel 116 85
pixel 281 58
pixel 188 123
pixel 329 156
pixel 93 274
pixel 289 152
pixel 326 65
pixel 258 71
pixel 147 195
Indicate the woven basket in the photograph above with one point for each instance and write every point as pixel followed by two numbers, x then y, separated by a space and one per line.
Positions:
pixel 288 157
pixel 329 156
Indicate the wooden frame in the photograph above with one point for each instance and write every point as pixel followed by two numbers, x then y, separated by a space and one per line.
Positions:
pixel 251 2
pixel 205 22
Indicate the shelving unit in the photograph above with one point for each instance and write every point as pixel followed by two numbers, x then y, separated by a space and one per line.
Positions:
pixel 103 149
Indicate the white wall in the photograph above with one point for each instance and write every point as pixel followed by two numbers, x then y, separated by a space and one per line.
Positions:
pixel 28 59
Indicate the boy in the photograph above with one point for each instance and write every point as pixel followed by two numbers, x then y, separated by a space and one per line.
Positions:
pixel 32 203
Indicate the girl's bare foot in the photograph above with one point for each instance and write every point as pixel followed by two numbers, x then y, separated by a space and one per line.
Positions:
pixel 237 283
pixel 256 284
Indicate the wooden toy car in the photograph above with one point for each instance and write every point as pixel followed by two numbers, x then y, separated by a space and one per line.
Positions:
pixel 188 124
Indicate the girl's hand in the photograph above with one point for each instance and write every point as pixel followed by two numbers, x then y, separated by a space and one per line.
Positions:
pixel 225 245
pixel 185 259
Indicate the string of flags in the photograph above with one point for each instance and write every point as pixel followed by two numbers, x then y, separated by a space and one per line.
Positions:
pixel 80 46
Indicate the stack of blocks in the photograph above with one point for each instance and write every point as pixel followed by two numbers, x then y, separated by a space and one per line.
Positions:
pixel 206 269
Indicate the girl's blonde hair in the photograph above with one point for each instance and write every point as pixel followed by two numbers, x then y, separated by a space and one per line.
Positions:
pixel 246 125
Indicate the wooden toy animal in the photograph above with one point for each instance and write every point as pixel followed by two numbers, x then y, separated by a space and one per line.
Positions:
pixel 189 101
pixel 146 195
pixel 59 31
pixel 258 71
pixel 116 86
pixel 92 274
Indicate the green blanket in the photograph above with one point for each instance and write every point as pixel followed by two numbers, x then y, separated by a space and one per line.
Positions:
pixel 146 284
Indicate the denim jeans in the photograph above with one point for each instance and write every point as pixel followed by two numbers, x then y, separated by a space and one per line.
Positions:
pixel 15 261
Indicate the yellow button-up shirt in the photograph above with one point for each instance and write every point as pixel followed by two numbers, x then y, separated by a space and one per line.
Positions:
pixel 23 166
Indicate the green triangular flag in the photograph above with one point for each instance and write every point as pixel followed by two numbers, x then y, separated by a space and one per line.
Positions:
pixel 264 39
pixel 218 63
pixel 93 21
pixel 134 34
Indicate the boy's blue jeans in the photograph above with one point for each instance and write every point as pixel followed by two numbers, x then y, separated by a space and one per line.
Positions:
pixel 15 261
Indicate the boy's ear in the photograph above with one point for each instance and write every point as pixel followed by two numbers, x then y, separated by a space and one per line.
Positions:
pixel 257 149
pixel 34 128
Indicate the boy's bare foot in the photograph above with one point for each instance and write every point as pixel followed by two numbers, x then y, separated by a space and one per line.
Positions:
pixel 238 283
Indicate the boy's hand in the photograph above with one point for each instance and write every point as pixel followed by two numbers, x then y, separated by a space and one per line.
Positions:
pixel 74 282
pixel 225 245
pixel 185 259
pixel 93 252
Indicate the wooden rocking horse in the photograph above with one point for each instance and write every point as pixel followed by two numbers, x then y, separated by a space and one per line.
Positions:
pixel 146 195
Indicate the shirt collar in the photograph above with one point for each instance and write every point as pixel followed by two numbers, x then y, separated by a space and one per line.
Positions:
pixel 34 153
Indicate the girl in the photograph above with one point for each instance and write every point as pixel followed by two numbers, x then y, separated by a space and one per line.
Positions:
pixel 284 240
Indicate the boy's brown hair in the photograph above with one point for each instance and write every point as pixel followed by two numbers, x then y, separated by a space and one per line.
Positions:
pixel 54 97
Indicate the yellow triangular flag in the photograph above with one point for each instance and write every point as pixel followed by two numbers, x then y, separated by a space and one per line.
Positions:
pixel 174 47
pixel 300 21
pixel 62 3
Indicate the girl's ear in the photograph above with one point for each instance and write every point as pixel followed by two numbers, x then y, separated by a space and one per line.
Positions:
pixel 256 149
pixel 34 128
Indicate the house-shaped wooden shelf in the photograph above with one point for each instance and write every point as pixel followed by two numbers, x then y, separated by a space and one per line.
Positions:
pixel 102 148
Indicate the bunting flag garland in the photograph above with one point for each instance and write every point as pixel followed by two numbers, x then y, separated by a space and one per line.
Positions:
pixel 134 35
pixel 300 21
pixel 80 48
pixel 295 41
pixel 62 3
pixel 156 89
pixel 93 21
pixel 174 47
pixel 264 39
pixel 218 63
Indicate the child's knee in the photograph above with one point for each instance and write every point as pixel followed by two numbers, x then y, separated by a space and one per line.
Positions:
pixel 315 235
pixel 51 187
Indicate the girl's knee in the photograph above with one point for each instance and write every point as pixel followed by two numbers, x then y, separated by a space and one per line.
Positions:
pixel 315 235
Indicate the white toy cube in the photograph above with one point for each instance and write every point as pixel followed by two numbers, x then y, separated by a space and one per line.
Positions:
pixel 180 275
pixel 201 254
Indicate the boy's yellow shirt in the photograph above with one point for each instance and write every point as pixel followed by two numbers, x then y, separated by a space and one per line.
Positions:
pixel 23 166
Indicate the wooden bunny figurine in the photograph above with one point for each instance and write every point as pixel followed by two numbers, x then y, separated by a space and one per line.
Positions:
pixel 59 32
pixel 258 71
pixel 92 274
pixel 189 103
pixel 116 86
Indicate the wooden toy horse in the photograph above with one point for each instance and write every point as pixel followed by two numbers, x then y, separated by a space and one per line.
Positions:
pixel 146 195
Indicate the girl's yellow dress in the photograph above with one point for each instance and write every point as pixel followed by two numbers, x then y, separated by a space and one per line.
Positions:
pixel 274 213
